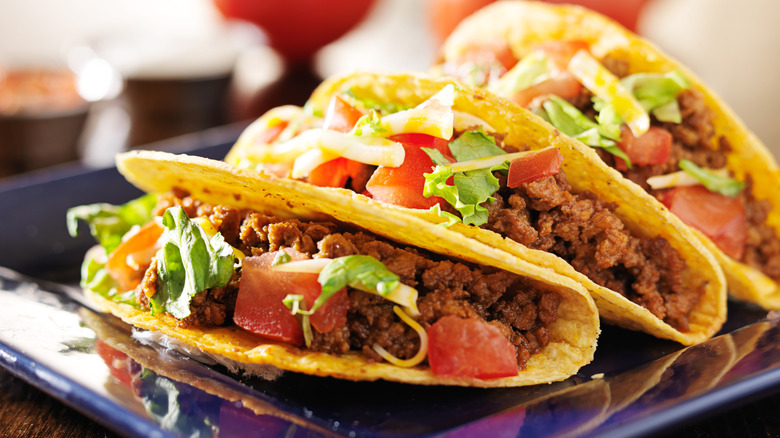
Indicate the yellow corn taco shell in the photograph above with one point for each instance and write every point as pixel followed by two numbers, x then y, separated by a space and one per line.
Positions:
pixel 585 172
pixel 524 24
pixel 573 336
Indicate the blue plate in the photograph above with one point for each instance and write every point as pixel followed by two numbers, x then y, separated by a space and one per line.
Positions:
pixel 49 337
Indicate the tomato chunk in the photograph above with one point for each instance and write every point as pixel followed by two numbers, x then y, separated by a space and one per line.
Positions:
pixel 340 115
pixel 563 85
pixel 128 262
pixel 533 166
pixel 652 147
pixel 339 172
pixel 719 217
pixel 561 52
pixel 259 306
pixel 469 348
pixel 271 133
pixel 403 185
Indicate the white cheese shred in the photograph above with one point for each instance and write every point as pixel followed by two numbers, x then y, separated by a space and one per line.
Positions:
pixel 421 353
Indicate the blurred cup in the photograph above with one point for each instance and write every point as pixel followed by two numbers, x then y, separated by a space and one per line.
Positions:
pixel 42 116
pixel 173 85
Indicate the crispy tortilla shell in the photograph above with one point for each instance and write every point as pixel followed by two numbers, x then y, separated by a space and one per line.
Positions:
pixel 572 338
pixel 524 24
pixel 585 171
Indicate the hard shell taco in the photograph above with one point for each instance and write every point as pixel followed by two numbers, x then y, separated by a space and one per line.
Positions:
pixel 266 274
pixel 435 149
pixel 646 116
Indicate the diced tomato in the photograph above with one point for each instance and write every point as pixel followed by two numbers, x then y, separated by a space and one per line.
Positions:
pixel 271 133
pixel 118 363
pixel 403 185
pixel 128 262
pixel 336 173
pixel 459 347
pixel 496 51
pixel 341 116
pixel 563 85
pixel 261 290
pixel 719 217
pixel 561 52
pixel 534 165
pixel 652 147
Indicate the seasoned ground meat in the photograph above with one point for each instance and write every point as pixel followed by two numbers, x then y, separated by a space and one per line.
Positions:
pixel 521 311
pixel 694 139
pixel 545 215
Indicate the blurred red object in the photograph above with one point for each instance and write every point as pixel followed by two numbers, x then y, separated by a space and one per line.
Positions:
pixel 444 15
pixel 297 29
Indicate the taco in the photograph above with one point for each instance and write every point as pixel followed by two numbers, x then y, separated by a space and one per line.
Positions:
pixel 435 149
pixel 229 269
pixel 645 114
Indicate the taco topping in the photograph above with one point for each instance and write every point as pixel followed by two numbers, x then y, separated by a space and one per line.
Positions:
pixel 466 175
pixel 654 128
pixel 334 289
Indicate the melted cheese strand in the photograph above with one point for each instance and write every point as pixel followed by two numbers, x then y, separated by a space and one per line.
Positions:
pixel 421 353
pixel 465 121
pixel 488 162
pixel 309 161
pixel 433 117
pixel 601 82
pixel 309 266
pixel 679 179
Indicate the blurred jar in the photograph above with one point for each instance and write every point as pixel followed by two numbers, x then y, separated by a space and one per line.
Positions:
pixel 42 116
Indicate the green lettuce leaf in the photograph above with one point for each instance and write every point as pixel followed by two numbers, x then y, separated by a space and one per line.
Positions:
pixel 358 271
pixel 95 277
pixel 108 223
pixel 190 263
pixel 714 183
pixel 572 122
pixel 471 188
pixel 657 93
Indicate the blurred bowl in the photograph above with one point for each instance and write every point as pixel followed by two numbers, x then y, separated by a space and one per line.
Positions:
pixel 297 29
pixel 42 117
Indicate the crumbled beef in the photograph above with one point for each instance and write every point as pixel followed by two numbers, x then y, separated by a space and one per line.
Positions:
pixel 546 215
pixel 694 139
pixel 523 312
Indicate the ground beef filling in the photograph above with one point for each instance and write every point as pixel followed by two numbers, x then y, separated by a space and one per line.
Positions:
pixel 521 311
pixel 545 215
pixel 693 140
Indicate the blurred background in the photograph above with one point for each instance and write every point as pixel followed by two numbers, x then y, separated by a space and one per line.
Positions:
pixel 83 79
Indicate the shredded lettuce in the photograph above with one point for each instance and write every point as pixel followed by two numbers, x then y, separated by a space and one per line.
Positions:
pixel 359 271
pixel 471 188
pixel 190 263
pixel 95 277
pixel 572 122
pixel 712 181
pixel 370 124
pixel 383 107
pixel 108 223
pixel 657 93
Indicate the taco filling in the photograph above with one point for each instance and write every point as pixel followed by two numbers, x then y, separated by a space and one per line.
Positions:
pixel 654 128
pixel 321 286
pixel 431 156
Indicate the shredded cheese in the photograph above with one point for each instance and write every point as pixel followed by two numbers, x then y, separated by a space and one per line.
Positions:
pixel 433 117
pixel 309 266
pixel 679 179
pixel 487 162
pixel 601 82
pixel 421 353
pixel 463 121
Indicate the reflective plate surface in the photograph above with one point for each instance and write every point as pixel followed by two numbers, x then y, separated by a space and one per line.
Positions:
pixel 48 337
